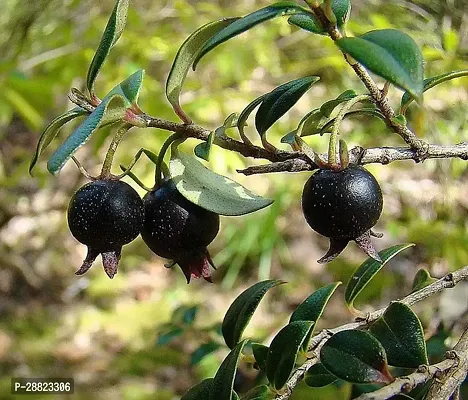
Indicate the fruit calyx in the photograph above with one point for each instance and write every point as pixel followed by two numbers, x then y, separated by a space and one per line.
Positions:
pixel 343 205
pixel 179 230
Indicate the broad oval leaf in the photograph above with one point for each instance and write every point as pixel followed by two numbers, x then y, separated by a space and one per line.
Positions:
pixel 114 29
pixel 355 356
pixel 241 310
pixel 204 350
pixel 367 270
pixel 201 391
pixel 327 108
pixel 210 190
pixel 223 381
pixel 430 83
pixel 402 336
pixel 52 130
pixel 260 353
pixel 319 376
pixel 280 100
pixel 261 392
pixel 247 22
pixel 108 112
pixel 185 57
pixel 391 54
pixel 311 309
pixel 283 351
pixel 422 279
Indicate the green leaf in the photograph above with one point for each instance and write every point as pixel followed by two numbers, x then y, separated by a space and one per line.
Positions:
pixel 431 82
pixel 114 29
pixel 402 336
pixel 422 279
pixel 223 381
pixel 318 376
pixel 185 57
pixel 210 190
pixel 283 351
pixel 367 270
pixel 311 123
pixel 184 315
pixel 328 107
pixel 242 121
pixel 248 22
pixel 204 350
pixel 355 356
pixel 371 112
pixel 241 310
pixel 280 100
pixel 168 336
pixel 261 392
pixel 129 89
pixel 201 391
pixel 52 130
pixel 311 309
pixel 290 138
pixel 108 112
pixel 391 54
pixel 260 353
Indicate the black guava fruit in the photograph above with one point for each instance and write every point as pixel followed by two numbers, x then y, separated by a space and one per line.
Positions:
pixel 105 215
pixel 180 230
pixel 343 205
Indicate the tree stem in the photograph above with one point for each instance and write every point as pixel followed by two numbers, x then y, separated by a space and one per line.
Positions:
pixel 107 165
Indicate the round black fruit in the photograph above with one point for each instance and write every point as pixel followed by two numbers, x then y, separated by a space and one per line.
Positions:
pixel 343 205
pixel 105 215
pixel 178 229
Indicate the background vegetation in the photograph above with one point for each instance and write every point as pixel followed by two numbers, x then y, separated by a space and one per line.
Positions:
pixel 105 333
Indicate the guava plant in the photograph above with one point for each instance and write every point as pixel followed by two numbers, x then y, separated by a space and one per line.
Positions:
pixel 179 216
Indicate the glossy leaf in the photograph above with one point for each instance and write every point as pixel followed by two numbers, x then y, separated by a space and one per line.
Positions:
pixel 169 335
pixel 185 57
pixel 311 309
pixel 204 350
pixel 108 112
pixel 241 310
pixel 260 353
pixel 368 269
pixel 223 381
pixel 283 351
pixel 130 88
pixel 261 392
pixel 391 54
pixel 248 22
pixel 307 21
pixel 49 133
pixel 201 391
pixel 401 334
pixel 114 29
pixel 318 376
pixel 280 100
pixel 210 190
pixel 355 356
pixel 328 107
pixel 422 279
pixel 431 82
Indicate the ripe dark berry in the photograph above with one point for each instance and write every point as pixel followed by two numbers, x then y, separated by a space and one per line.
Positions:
pixel 343 206
pixel 105 215
pixel 179 230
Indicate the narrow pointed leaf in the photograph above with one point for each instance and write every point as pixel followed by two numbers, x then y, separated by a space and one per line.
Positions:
pixel 241 310
pixel 186 55
pixel 311 123
pixel 319 376
pixel 311 309
pixel 290 138
pixel 422 279
pixel 355 356
pixel 201 391
pixel 168 336
pixel 223 381
pixel 204 350
pixel 129 89
pixel 261 392
pixel 431 82
pixel 260 353
pixel 52 130
pixel 114 29
pixel 402 336
pixel 203 150
pixel 184 314
pixel 106 113
pixel 248 22
pixel 210 190
pixel 242 121
pixel 283 351
pixel 367 270
pixel 280 100
pixel 328 107
pixel 391 54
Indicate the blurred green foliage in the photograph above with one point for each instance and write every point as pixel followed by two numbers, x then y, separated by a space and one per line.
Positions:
pixel 104 333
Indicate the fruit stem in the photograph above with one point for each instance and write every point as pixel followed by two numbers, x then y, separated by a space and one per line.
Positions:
pixel 332 146
pixel 160 165
pixel 107 165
